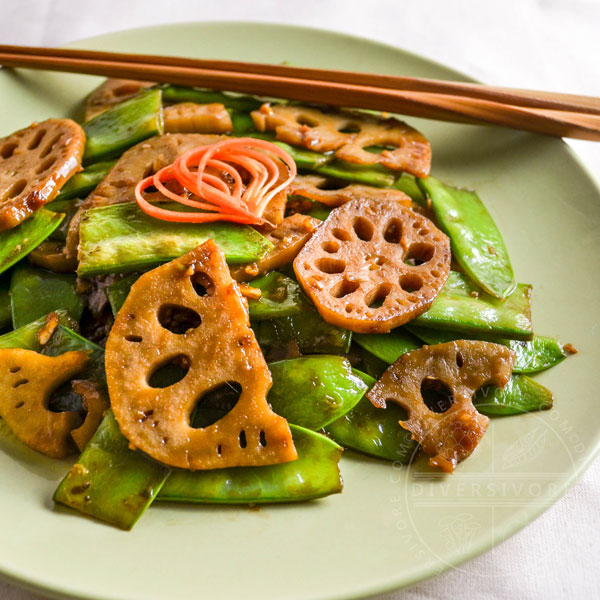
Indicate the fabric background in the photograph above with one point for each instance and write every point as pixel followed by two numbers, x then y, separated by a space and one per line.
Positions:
pixel 538 44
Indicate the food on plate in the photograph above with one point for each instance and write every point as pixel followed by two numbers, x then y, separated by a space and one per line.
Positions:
pixel 190 313
pixel 357 266
pixel 318 188
pixel 436 385
pixel 210 296
pixel 34 164
pixel 349 135
pixel 28 378
pixel 190 117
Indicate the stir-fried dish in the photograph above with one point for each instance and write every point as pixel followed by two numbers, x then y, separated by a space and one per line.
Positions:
pixel 207 297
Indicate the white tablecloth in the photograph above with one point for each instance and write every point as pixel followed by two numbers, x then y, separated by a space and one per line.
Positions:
pixel 543 44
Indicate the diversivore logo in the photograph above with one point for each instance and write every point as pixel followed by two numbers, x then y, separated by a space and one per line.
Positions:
pixel 499 488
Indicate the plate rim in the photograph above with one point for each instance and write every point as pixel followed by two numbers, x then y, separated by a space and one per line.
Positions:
pixel 389 584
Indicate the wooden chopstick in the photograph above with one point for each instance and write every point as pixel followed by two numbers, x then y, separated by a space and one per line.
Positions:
pixel 527 98
pixel 581 121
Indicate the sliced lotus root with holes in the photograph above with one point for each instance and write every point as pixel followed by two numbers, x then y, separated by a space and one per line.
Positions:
pixel 450 428
pixel 319 189
pixel 190 314
pixel 287 239
pixel 190 117
pixel 95 403
pixel 372 266
pixel 348 134
pixel 111 92
pixel 138 162
pixel 27 379
pixel 34 165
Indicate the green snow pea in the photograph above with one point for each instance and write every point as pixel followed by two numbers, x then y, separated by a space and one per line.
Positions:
pixel 19 241
pixel 37 292
pixel 366 174
pixel 118 291
pixel 5 314
pixel 313 475
pixel 520 395
pixel 242 122
pixel 179 93
pixel 281 297
pixel 122 238
pixel 534 355
pixel 313 391
pixel 477 243
pixel 110 133
pixel 374 431
pixel 408 184
pixel 307 331
pixel 461 307
pixel 109 481
pixel 370 364
pixel 81 184
pixel 388 346
pixel 26 337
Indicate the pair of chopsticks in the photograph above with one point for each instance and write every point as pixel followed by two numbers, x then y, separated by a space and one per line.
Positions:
pixel 557 114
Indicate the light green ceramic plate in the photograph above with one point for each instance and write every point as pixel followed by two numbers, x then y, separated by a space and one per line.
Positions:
pixel 391 526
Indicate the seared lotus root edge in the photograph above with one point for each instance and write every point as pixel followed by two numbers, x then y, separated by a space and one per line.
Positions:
pixel 373 266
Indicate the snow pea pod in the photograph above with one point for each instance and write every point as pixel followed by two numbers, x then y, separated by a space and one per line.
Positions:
pixel 313 475
pixel 534 355
pixel 312 391
pixel 281 297
pixel 26 337
pixel 520 395
pixel 36 292
pixel 388 346
pixel 81 184
pixel 109 481
pixel 122 238
pixel 5 314
pixel 110 133
pixel 366 174
pixel 477 243
pixel 408 184
pixel 179 93
pixel 118 291
pixel 307 332
pixel 461 307
pixel 19 241
pixel 374 431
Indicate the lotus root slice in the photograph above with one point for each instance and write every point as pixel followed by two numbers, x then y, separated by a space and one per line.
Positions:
pixel 349 135
pixel 372 266
pixel 190 313
pixel 34 165
pixel 190 117
pixel 316 188
pixel 27 380
pixel 455 370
